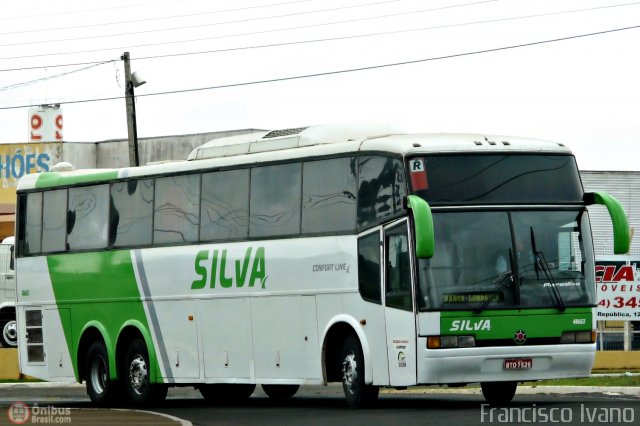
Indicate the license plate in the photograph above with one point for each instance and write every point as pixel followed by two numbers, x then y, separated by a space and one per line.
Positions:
pixel 517 364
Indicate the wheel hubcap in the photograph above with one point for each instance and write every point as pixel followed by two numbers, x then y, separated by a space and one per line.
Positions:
pixel 138 374
pixel 99 375
pixel 10 333
pixel 349 372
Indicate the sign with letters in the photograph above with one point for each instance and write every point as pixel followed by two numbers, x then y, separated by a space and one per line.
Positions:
pixel 618 284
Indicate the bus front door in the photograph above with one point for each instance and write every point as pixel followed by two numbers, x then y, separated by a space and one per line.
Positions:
pixel 399 306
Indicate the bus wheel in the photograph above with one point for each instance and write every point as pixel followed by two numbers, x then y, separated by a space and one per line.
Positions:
pixel 101 390
pixel 499 393
pixel 136 374
pixel 280 391
pixel 218 393
pixel 9 333
pixel 358 393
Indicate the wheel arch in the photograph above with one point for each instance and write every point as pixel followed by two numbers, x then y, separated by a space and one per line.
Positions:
pixel 91 332
pixel 7 312
pixel 333 337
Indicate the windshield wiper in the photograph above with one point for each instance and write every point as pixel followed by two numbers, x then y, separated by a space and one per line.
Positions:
pixel 540 262
pixel 504 282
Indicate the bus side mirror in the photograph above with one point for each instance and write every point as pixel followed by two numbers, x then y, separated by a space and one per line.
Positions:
pixel 621 238
pixel 425 241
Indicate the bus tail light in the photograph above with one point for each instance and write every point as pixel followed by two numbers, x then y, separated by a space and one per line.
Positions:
pixel 578 337
pixel 445 342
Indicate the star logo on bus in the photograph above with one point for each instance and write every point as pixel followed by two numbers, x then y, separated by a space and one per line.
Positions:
pixel 520 337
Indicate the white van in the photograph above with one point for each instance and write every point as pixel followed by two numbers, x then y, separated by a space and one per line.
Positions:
pixel 8 329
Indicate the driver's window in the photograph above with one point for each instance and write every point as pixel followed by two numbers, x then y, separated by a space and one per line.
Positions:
pixel 398 276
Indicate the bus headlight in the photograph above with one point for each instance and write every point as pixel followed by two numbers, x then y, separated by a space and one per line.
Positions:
pixel 445 342
pixel 578 337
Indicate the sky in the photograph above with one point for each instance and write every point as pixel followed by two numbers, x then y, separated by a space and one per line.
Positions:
pixel 422 65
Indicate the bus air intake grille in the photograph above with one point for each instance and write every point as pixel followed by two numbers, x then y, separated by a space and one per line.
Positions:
pixel 283 132
pixel 35 335
pixel 33 318
pixel 35 353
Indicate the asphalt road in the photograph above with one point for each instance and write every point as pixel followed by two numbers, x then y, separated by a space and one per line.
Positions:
pixel 326 406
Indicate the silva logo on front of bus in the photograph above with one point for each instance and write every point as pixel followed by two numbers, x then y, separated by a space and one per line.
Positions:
pixel 470 325
pixel 213 269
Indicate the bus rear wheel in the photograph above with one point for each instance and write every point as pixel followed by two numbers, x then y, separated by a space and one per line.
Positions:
pixel 499 393
pixel 233 393
pixel 358 393
pixel 100 388
pixel 137 376
pixel 280 391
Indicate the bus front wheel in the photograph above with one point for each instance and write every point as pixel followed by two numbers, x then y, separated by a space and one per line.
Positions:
pixel 137 376
pixel 499 393
pixel 100 388
pixel 358 393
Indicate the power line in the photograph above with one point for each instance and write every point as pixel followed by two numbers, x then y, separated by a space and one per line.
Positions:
pixel 345 71
pixel 129 6
pixel 324 39
pixel 58 65
pixel 131 21
pixel 185 27
pixel 38 80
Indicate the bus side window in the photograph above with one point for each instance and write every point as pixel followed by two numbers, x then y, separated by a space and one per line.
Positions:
pixel 32 221
pixel 132 204
pixel 88 217
pixel 224 213
pixel 398 283
pixel 329 196
pixel 381 189
pixel 274 206
pixel 176 215
pixel 369 267
pixel 54 221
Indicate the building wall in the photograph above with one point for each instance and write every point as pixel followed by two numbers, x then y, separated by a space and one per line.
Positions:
pixel 115 153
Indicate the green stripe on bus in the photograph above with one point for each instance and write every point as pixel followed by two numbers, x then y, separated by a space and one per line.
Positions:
pixel 102 289
pixel 535 323
pixel 53 179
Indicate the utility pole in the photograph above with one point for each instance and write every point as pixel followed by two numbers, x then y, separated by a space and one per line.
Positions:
pixel 131 113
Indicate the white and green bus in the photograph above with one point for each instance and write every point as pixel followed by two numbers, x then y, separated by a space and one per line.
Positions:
pixel 353 254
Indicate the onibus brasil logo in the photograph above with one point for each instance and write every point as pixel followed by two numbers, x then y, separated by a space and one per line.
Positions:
pixel 213 269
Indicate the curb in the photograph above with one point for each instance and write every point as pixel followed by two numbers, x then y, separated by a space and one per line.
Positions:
pixel 526 390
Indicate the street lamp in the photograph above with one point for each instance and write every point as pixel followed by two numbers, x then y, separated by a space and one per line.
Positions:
pixel 131 81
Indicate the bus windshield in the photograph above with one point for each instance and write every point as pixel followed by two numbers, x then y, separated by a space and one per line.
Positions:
pixel 466 179
pixel 508 259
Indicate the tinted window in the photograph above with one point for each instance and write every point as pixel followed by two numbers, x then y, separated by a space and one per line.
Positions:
pixel 54 221
pixel 369 267
pixel 329 195
pixel 33 229
pixel 88 217
pixel 381 189
pixel 476 179
pixel 225 205
pixel 398 283
pixel 132 214
pixel 177 208
pixel 275 200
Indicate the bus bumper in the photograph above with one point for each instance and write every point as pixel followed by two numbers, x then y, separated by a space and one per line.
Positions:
pixel 470 365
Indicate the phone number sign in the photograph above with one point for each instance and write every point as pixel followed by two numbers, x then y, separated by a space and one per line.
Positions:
pixel 618 284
